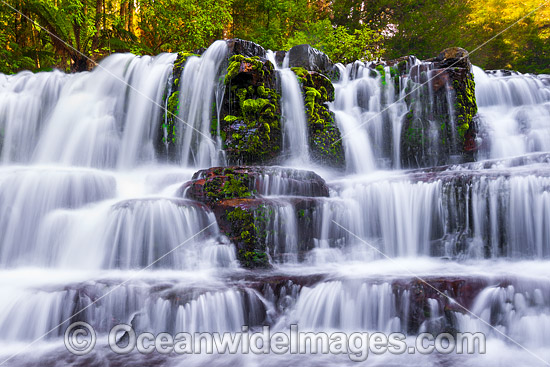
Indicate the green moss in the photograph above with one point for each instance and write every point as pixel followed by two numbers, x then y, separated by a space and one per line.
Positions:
pixel 382 71
pixel 235 63
pixel 250 236
pixel 230 118
pixel 255 116
pixel 168 125
pixel 303 75
pixel 466 106
pixel 262 92
pixel 324 136
pixel 253 107
pixel 181 59
pixel 229 187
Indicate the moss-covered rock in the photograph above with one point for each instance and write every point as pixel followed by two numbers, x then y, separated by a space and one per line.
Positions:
pixel 466 111
pixel 250 123
pixel 243 222
pixel 217 183
pixel 441 125
pixel 324 136
pixel 311 59
pixel 235 195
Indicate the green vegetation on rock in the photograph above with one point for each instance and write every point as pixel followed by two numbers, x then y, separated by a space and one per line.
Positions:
pixel 324 135
pixel 251 130
pixel 466 106
pixel 250 235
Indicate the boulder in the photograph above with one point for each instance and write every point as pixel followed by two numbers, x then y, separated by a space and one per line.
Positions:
pixel 250 116
pixel 438 130
pixel 236 197
pixel 213 184
pixel 238 46
pixel 311 59
pixel 453 57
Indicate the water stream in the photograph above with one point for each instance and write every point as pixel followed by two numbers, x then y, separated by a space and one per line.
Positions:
pixel 85 203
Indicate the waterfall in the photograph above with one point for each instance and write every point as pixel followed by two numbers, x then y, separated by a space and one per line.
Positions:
pixel 103 221
pixel 515 113
pixel 200 79
pixel 295 136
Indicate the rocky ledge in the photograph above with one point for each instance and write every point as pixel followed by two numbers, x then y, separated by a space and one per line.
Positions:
pixel 245 214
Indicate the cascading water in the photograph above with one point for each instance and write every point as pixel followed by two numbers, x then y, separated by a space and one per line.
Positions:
pixel 293 117
pixel 92 217
pixel 515 113
pixel 198 82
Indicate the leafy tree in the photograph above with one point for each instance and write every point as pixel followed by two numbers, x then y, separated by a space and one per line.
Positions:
pixel 525 46
pixel 340 44
pixel 171 25
pixel 271 22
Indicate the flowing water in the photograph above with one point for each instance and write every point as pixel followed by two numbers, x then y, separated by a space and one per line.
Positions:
pixel 295 139
pixel 91 219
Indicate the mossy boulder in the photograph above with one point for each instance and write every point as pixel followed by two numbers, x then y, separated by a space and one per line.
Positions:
pixel 236 196
pixel 311 59
pixel 217 183
pixel 441 124
pixel 324 136
pixel 250 119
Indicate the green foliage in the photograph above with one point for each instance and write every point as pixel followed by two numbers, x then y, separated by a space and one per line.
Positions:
pixel 339 43
pixel 169 25
pixel 425 28
pixel 345 30
pixel 271 22
pixel 96 28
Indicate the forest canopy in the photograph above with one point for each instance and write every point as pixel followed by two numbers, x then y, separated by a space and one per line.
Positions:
pixel 344 29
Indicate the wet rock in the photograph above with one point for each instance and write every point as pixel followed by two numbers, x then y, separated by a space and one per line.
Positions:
pixel 453 57
pixel 213 184
pixel 249 220
pixel 425 294
pixel 324 136
pixel 250 117
pixel 311 59
pixel 441 125
pixel 238 46
pixel 280 57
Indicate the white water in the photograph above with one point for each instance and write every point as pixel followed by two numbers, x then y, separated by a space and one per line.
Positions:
pixel 84 205
pixel 200 79
pixel 515 113
pixel 295 136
